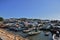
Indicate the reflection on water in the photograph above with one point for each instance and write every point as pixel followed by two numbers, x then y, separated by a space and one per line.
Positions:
pixel 41 36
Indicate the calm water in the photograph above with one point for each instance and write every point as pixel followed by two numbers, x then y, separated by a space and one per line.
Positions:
pixel 41 36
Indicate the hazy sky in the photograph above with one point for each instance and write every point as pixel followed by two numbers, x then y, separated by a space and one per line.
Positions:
pixel 42 9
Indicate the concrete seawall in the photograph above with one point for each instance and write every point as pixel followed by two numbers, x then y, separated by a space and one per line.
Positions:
pixel 5 35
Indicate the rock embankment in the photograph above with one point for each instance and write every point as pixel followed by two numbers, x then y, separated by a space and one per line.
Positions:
pixel 5 35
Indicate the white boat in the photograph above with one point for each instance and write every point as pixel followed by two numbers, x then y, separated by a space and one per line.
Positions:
pixel 25 31
pixel 55 37
pixel 47 33
pixel 34 33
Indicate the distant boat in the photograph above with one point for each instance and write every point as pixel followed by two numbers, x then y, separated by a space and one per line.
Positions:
pixel 16 29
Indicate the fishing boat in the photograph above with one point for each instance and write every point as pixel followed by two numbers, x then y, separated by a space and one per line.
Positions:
pixel 28 30
pixel 55 37
pixel 33 33
pixel 47 33
pixel 25 31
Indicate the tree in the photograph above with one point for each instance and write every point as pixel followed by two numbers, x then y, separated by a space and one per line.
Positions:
pixel 1 19
pixel 23 19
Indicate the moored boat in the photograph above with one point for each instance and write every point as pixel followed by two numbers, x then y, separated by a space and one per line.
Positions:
pixel 25 31
pixel 47 33
pixel 33 33
pixel 55 37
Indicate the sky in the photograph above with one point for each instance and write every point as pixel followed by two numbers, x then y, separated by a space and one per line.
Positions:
pixel 40 9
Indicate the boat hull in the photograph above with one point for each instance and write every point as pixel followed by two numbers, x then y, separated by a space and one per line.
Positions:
pixel 33 33
pixel 55 37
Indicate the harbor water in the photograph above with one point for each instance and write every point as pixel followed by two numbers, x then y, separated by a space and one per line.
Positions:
pixel 41 36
